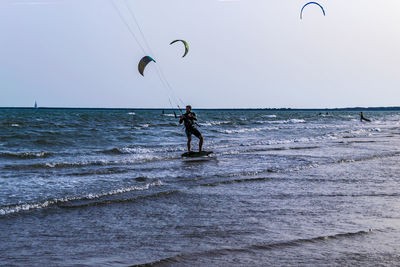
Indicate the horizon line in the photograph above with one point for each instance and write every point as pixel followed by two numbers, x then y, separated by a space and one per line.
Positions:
pixel 388 108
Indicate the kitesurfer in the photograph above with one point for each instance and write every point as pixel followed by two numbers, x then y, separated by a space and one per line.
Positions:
pixel 189 119
pixel 362 118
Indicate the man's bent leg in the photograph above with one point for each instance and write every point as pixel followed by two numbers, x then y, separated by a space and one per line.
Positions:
pixel 200 143
pixel 188 143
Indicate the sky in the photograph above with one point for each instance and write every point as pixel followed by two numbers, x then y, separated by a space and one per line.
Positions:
pixel 243 53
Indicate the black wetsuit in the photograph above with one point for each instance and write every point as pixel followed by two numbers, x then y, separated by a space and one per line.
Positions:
pixel 362 118
pixel 190 126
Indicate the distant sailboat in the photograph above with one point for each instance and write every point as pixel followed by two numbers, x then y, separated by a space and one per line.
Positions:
pixel 35 106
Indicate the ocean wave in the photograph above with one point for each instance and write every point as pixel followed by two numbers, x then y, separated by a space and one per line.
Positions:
pixel 115 201
pixel 291 141
pixel 138 158
pixel 258 179
pixel 327 136
pixel 269 116
pixel 191 257
pixel 10 209
pixel 367 158
pixel 303 147
pixel 265 149
pixel 54 141
pixel 246 130
pixel 51 165
pixel 258 122
pixel 212 123
pixel 168 124
pixel 131 113
pixel 358 132
pixel 310 240
pixel 355 133
pixel 309 165
pixel 141 150
pixel 286 121
pixel 107 171
pixel 296 196
pixel 360 142
pixel 25 155
pixel 268 170
pixel 142 126
pixel 126 150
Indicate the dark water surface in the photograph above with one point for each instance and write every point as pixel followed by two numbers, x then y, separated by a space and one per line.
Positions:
pixel 108 187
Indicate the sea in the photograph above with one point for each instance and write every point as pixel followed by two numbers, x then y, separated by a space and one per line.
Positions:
pixel 89 187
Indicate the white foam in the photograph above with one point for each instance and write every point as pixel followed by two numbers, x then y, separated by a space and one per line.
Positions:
pixel 142 126
pixel 297 121
pixel 134 150
pixel 246 130
pixel 46 203
pixel 286 121
pixel 136 155
pixel 75 164
pixel 211 123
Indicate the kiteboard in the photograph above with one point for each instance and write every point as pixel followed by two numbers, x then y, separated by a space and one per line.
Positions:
pixel 193 154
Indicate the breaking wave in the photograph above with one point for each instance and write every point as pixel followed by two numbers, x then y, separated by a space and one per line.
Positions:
pixel 286 121
pixel 25 155
pixel 140 158
pixel 10 209
pixel 126 150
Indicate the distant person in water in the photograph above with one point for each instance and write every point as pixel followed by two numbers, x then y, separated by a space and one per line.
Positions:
pixel 163 112
pixel 189 119
pixel 362 118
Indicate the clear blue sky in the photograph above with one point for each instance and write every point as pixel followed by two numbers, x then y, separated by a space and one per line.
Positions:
pixel 243 53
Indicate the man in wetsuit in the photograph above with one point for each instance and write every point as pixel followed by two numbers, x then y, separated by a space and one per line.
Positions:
pixel 362 118
pixel 189 119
